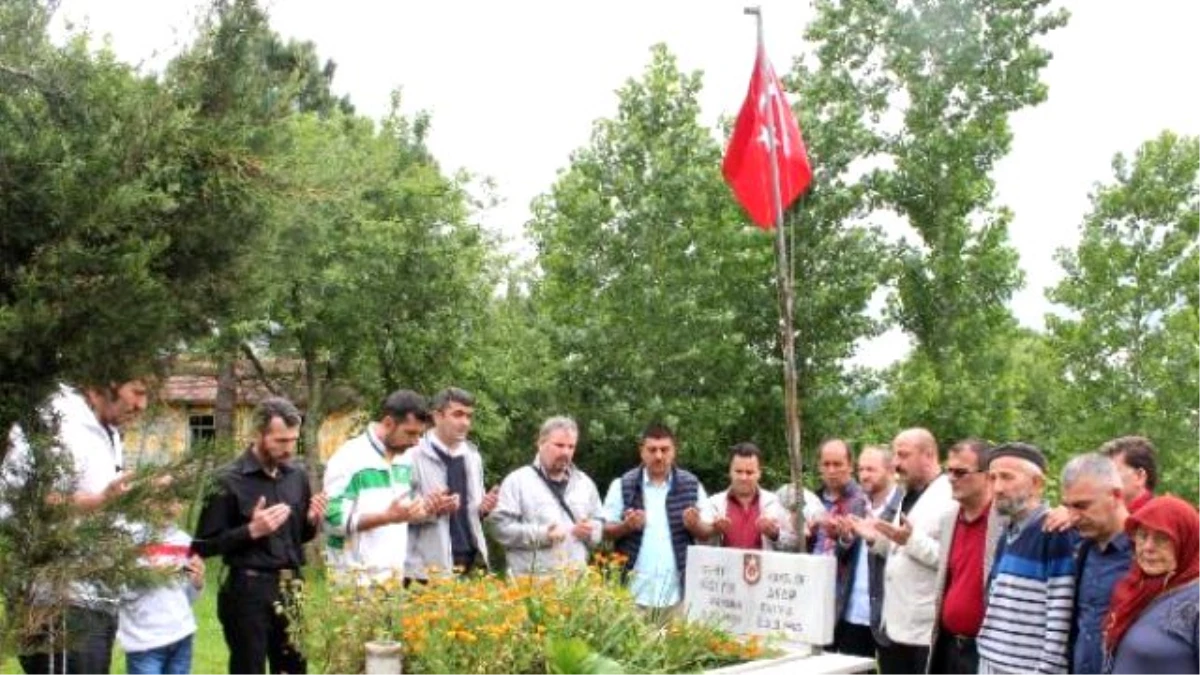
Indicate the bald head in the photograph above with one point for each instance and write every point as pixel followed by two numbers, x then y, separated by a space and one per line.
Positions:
pixel 916 454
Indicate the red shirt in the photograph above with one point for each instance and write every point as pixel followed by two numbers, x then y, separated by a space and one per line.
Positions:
pixel 743 524
pixel 962 606
pixel 1139 501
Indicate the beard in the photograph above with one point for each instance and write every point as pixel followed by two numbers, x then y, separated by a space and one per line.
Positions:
pixel 1011 506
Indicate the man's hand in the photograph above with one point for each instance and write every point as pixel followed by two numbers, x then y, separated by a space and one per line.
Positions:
pixel 441 503
pixel 864 527
pixel 634 519
pixel 316 507
pixel 691 518
pixel 900 534
pixel 841 527
pixel 721 525
pixel 119 486
pixel 264 521
pixel 489 501
pixel 406 509
pixel 768 527
pixel 1059 519
pixel 583 530
pixel 556 534
pixel 195 571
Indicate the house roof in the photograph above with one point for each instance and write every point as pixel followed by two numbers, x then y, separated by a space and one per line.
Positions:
pixel 195 382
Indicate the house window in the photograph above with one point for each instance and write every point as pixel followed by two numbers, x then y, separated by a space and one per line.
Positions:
pixel 201 429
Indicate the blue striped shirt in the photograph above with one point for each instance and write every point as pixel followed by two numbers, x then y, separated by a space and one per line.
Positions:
pixel 1030 597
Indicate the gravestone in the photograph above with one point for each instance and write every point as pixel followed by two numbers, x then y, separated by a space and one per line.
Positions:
pixel 763 593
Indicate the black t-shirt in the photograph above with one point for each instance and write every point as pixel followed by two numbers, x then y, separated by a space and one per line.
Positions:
pixel 559 487
pixel 910 499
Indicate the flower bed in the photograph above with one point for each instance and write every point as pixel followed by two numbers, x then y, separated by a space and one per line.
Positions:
pixel 585 622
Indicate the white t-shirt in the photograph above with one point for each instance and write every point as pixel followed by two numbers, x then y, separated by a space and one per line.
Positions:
pixel 160 616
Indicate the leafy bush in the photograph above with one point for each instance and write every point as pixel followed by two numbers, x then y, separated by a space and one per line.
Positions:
pixel 584 621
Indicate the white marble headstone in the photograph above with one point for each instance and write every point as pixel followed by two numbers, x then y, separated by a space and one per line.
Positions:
pixel 788 595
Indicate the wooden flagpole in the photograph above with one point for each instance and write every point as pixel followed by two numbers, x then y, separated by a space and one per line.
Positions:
pixel 787 303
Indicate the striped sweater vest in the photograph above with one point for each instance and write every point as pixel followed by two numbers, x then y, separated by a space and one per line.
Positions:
pixel 1030 601
pixel 684 490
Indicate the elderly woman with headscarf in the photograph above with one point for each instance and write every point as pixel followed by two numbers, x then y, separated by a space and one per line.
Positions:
pixel 1153 621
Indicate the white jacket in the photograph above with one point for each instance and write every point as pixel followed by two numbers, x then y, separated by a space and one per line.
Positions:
pixel 527 508
pixel 910 576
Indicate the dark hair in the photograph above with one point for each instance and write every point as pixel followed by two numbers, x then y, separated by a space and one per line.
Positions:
pixel 1138 453
pixel 272 407
pixel 445 397
pixel 657 430
pixel 981 448
pixel 745 449
pixel 403 402
pixel 845 444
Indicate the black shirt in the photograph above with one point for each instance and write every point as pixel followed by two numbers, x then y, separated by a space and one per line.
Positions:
pixel 461 541
pixel 224 527
pixel 910 499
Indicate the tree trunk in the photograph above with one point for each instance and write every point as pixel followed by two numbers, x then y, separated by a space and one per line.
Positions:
pixel 226 400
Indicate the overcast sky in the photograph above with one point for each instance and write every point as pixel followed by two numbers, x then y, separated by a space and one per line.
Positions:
pixel 514 87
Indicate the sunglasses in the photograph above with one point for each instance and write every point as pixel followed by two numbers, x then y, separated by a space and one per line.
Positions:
pixel 962 473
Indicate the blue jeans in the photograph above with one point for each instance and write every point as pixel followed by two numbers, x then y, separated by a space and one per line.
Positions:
pixel 172 659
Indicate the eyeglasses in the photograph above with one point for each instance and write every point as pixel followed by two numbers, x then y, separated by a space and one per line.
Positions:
pixel 962 473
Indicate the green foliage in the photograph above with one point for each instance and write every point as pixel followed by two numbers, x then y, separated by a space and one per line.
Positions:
pixel 660 301
pixel 127 216
pixel 128 210
pixel 959 68
pixel 1128 342
pixel 572 623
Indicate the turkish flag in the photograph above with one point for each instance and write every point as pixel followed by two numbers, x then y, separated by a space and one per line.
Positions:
pixel 747 165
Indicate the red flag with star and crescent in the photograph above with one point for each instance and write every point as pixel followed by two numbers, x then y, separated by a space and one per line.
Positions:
pixel 747 164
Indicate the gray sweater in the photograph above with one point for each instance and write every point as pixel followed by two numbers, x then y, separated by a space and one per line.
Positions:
pixel 1164 638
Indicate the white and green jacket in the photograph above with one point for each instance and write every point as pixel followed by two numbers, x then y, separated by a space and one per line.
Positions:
pixel 359 480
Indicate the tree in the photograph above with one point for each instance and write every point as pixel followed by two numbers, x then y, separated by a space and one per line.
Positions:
pixel 958 68
pixel 375 277
pixel 1130 358
pixel 660 300
pixel 125 219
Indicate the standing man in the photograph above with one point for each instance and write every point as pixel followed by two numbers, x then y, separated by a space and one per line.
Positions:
pixel 911 545
pixel 258 518
pixel 89 421
pixel 1032 585
pixel 970 534
pixel 1137 462
pixel 548 517
pixel 448 471
pixel 840 496
pixel 743 516
pixel 369 481
pixel 860 598
pixel 1092 491
pixel 644 517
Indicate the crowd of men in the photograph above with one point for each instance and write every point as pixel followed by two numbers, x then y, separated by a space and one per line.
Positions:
pixel 954 567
